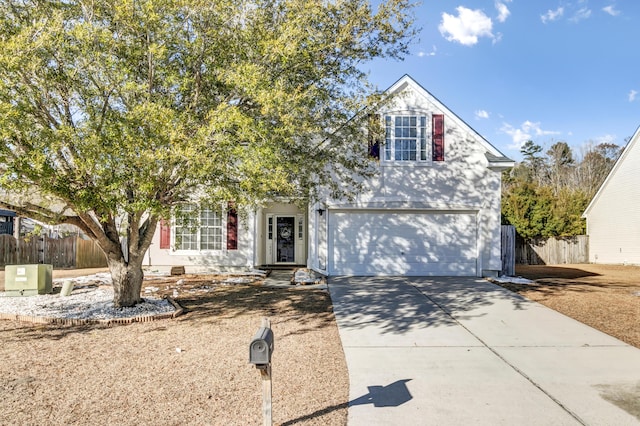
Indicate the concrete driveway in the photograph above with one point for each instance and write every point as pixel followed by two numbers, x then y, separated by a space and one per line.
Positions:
pixel 463 351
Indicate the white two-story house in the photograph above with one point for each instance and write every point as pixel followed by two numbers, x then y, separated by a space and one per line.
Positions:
pixel 432 209
pixel 613 215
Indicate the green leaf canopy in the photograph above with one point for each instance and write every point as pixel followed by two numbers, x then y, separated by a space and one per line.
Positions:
pixel 112 108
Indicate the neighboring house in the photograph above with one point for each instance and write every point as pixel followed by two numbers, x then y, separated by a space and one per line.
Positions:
pixel 613 216
pixel 29 227
pixel 432 209
pixel 7 219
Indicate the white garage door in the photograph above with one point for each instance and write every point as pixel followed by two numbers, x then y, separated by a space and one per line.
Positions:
pixel 401 243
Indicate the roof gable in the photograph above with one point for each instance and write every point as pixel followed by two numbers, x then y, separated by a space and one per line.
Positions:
pixel 494 156
pixel 632 149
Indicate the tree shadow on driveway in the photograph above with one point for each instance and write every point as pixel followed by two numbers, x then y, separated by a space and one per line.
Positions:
pixel 400 304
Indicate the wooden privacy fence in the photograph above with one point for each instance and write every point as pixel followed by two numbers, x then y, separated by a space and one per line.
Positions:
pixel 508 250
pixel 552 251
pixel 89 254
pixel 69 252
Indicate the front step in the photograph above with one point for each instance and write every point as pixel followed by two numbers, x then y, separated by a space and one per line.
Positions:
pixel 279 267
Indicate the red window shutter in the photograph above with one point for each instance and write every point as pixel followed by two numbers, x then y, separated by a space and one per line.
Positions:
pixel 373 130
pixel 165 234
pixel 437 137
pixel 232 227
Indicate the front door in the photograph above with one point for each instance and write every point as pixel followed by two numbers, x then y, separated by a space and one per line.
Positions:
pixel 285 239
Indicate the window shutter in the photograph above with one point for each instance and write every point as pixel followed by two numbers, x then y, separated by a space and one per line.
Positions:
pixel 437 137
pixel 232 227
pixel 373 130
pixel 165 234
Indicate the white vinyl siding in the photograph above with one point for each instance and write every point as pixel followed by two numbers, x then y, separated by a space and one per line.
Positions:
pixel 613 218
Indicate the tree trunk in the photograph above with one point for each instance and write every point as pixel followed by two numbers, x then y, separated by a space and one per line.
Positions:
pixel 127 281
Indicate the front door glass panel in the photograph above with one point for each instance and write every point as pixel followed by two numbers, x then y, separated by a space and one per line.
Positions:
pixel 285 239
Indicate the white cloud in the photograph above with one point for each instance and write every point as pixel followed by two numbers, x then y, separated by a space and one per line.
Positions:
pixel 605 139
pixel 482 114
pixel 518 136
pixel 422 53
pixel 581 14
pixel 611 10
pixel 503 11
pixel 526 132
pixel 632 95
pixel 467 27
pixel 552 15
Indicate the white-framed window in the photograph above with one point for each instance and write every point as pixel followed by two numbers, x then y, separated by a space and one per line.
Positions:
pixel 406 138
pixel 198 228
pixel 300 228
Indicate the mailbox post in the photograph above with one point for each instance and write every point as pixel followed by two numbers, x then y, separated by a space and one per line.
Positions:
pixel 260 351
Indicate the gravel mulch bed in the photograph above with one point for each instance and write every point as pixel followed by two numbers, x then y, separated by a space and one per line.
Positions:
pixel 190 370
pixel 605 297
pixel 90 303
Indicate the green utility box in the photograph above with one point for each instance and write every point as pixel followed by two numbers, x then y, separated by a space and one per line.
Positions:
pixel 27 280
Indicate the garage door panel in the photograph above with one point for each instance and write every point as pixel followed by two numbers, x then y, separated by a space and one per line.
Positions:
pixel 379 243
pixel 408 257
pixel 419 241
pixel 403 268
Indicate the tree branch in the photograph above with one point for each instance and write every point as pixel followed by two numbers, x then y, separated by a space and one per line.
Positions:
pixel 35 212
pixel 146 231
pixel 107 245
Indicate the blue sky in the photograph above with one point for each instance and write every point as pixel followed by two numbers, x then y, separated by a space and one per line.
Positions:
pixel 543 70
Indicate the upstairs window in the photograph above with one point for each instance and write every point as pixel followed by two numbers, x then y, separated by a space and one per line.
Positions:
pixel 406 138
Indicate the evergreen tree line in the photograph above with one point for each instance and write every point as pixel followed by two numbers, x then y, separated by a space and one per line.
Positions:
pixel 546 194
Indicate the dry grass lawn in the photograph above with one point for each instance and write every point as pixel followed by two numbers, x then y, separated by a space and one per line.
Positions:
pixel 194 369
pixel 605 297
pixel 191 370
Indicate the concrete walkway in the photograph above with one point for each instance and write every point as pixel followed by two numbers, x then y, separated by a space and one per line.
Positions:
pixel 463 351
